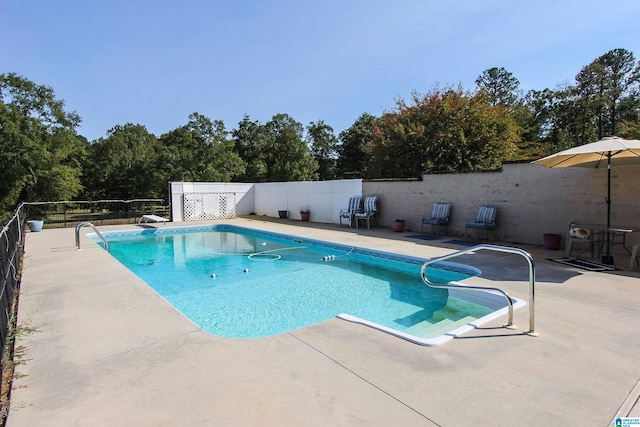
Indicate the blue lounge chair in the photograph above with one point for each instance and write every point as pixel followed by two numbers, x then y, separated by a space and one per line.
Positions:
pixel 370 209
pixel 354 206
pixel 439 217
pixel 485 220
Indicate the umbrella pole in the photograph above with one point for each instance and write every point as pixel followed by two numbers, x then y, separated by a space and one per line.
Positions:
pixel 609 190
pixel 608 258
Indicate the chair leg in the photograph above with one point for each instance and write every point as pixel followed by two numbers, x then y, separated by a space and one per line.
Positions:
pixel 634 254
pixel 568 249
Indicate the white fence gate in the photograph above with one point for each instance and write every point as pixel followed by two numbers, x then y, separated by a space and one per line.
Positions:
pixel 204 206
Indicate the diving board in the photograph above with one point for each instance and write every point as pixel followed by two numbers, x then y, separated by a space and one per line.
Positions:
pixel 151 218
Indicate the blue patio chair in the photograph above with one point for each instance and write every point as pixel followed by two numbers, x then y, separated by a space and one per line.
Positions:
pixel 369 211
pixel 485 220
pixel 439 217
pixel 354 206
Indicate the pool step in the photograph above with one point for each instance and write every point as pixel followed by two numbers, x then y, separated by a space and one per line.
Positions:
pixel 431 330
pixel 447 313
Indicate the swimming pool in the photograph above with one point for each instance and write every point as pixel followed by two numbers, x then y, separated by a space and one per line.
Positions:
pixel 237 282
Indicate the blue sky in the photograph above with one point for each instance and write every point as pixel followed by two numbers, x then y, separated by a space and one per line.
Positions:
pixel 155 62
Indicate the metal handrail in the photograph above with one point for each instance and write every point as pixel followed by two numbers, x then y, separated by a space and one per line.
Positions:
pixel 496 248
pixel 87 223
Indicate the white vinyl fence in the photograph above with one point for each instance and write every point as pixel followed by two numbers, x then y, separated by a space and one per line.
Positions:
pixel 203 206
pixel 196 201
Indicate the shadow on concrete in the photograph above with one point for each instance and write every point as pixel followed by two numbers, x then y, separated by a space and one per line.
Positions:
pixel 494 266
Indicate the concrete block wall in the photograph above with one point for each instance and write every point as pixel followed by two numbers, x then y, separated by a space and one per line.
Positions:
pixel 531 200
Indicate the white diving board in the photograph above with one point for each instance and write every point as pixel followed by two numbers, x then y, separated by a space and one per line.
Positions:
pixel 151 218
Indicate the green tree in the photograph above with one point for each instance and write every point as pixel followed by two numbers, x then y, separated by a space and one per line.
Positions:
pixel 603 101
pixel 200 151
pixel 532 115
pixel 611 84
pixel 124 165
pixel 353 154
pixel 288 157
pixel 499 86
pixel 630 129
pixel 540 105
pixel 252 142
pixel 444 130
pixel 40 151
pixel 323 143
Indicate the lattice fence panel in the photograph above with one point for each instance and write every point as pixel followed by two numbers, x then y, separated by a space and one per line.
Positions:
pixel 203 206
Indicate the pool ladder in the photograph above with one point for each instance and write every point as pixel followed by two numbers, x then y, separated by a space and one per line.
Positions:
pixel 524 254
pixel 88 224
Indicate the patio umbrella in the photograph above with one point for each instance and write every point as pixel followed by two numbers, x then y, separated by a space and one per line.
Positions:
pixel 609 151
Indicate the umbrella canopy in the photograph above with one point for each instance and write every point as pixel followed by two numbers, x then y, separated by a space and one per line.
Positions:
pixel 610 150
pixel 606 152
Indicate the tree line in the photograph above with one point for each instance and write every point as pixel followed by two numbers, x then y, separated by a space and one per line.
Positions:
pixel 447 128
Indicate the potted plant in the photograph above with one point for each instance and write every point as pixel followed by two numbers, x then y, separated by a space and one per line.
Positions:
pixel 37 215
pixel 35 224
pixel 551 241
pixel 304 214
pixel 283 213
pixel 398 225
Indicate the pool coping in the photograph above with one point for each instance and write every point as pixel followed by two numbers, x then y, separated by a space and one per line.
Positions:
pixel 478 296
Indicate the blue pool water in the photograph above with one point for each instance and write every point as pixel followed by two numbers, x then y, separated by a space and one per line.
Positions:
pixel 242 283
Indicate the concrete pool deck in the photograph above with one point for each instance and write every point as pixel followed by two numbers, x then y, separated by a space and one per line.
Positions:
pixel 108 350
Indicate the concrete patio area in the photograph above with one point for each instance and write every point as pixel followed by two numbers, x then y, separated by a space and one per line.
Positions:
pixel 110 351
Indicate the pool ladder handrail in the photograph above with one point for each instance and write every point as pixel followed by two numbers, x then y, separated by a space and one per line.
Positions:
pixel 87 223
pixel 518 251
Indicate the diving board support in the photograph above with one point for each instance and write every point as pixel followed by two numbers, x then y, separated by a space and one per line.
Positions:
pixel 496 248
